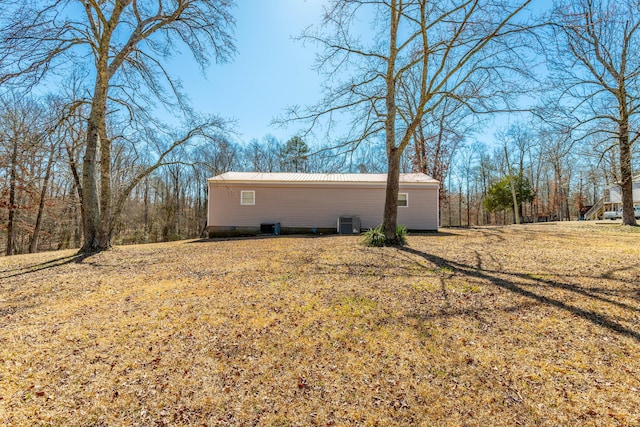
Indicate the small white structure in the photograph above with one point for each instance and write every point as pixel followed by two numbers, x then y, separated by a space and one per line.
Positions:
pixel 243 202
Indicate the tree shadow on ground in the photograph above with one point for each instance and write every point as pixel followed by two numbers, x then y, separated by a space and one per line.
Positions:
pixel 494 278
pixel 29 297
pixel 32 268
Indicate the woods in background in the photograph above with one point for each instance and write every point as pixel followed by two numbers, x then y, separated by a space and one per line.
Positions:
pixel 85 160
pixel 40 205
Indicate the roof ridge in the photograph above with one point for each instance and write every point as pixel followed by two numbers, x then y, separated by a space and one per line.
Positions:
pixel 415 177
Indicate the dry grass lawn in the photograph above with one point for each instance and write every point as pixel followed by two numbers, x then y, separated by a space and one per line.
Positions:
pixel 536 325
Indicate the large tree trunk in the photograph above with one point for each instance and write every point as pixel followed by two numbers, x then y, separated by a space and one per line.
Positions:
pixel 626 174
pixel 390 219
pixel 105 228
pixel 95 239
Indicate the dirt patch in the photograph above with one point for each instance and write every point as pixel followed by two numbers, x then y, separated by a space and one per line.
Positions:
pixel 530 325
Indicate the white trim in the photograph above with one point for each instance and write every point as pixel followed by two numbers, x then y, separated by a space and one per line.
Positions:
pixel 406 199
pixel 253 197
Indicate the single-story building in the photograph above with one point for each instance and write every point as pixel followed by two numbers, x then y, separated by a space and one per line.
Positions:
pixel 250 202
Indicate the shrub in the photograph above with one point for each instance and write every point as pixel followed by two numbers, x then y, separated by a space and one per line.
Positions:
pixel 376 237
pixel 401 234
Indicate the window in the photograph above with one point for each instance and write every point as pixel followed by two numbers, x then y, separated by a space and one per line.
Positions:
pixel 247 197
pixel 403 199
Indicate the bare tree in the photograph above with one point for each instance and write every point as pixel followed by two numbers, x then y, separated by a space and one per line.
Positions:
pixel 421 53
pixel 438 137
pixel 22 133
pixel 220 155
pixel 51 144
pixel 259 157
pixel 123 42
pixel 598 70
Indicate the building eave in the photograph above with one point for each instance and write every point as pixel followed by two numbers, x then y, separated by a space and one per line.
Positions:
pixel 321 180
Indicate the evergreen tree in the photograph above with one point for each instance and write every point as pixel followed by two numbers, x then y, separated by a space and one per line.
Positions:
pixel 499 194
pixel 295 155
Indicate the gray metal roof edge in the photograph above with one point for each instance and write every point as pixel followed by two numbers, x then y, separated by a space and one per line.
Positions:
pixel 317 178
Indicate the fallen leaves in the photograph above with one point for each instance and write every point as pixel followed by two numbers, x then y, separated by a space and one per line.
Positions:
pixel 493 326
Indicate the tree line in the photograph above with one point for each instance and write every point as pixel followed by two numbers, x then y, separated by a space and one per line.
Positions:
pixel 92 163
pixel 553 179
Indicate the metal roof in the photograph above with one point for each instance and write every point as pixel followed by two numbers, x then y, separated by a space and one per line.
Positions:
pixel 283 177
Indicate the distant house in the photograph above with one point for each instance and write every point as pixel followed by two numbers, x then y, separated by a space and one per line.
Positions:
pixel 250 202
pixel 612 199
pixel 613 194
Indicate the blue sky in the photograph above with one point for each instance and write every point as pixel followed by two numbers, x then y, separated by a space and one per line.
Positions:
pixel 269 72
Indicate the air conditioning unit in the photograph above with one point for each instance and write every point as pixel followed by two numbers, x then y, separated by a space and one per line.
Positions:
pixel 270 228
pixel 349 225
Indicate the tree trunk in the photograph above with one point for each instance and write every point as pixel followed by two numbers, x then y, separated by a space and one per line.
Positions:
pixel 12 197
pixel 77 221
pixel 516 217
pixel 95 239
pixel 449 202
pixel 105 228
pixel 567 195
pixel 147 228
pixel 520 213
pixel 77 187
pixel 33 247
pixel 390 220
pixel 460 204
pixel 468 203
pixel 626 174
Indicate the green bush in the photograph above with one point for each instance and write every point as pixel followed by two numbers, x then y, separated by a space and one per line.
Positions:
pixel 401 233
pixel 375 237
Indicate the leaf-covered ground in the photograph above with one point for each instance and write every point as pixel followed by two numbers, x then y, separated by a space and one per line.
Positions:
pixel 531 325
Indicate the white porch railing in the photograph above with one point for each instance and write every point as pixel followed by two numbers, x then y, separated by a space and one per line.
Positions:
pixel 595 210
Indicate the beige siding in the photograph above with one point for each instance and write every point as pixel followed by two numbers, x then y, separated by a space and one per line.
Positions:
pixel 309 207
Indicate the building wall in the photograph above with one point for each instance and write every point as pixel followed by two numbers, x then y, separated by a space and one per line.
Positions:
pixel 615 193
pixel 317 207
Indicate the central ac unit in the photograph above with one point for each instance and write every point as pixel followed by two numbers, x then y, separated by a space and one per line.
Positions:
pixel 349 225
